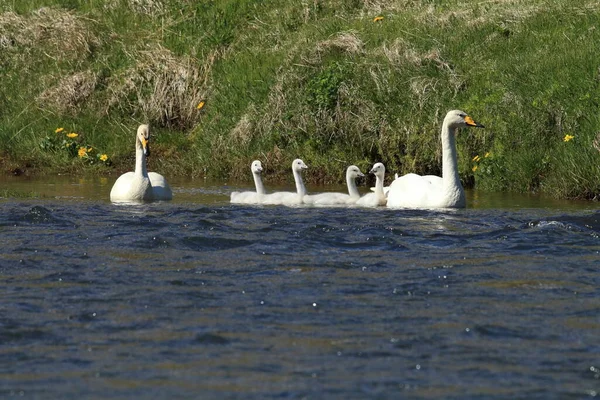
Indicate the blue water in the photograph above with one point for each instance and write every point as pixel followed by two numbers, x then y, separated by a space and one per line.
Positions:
pixel 197 298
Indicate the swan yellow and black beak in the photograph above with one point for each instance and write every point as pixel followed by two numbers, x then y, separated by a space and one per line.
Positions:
pixel 470 122
pixel 145 146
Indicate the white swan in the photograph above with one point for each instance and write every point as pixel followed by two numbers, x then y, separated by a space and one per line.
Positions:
pixel 289 198
pixel 378 197
pixel 415 191
pixel 141 185
pixel 331 198
pixel 251 197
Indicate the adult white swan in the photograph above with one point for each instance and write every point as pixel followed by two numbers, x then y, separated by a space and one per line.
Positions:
pixel 415 191
pixel 378 197
pixel 251 197
pixel 332 198
pixel 141 185
pixel 290 198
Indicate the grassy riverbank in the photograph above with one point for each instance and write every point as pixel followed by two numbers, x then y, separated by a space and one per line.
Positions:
pixel 335 82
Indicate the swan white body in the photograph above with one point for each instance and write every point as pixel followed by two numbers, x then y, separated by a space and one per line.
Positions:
pixel 140 185
pixel 251 197
pixel 332 199
pixel 415 191
pixel 289 198
pixel 378 197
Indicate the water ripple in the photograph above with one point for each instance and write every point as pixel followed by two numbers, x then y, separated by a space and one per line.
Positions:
pixel 172 300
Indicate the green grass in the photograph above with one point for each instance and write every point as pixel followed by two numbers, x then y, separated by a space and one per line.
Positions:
pixel 318 80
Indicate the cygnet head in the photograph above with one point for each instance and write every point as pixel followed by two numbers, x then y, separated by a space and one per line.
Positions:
pixel 378 170
pixel 353 172
pixel 143 137
pixel 298 165
pixel 256 167
pixel 459 119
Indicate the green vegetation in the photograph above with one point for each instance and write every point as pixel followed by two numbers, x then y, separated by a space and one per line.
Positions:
pixel 15 194
pixel 323 80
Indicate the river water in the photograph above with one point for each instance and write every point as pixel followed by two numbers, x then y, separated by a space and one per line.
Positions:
pixel 197 298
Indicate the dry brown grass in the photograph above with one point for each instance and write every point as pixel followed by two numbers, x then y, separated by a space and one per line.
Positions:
pixel 348 42
pixel 596 142
pixel 60 34
pixel 69 94
pixel 164 88
pixel 243 131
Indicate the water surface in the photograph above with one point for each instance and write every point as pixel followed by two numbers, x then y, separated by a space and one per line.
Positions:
pixel 197 298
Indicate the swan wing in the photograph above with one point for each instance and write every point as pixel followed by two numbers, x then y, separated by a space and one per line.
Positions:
pixel 282 198
pixel 160 188
pixel 129 187
pixel 246 198
pixel 327 199
pixel 414 191
pixel 372 200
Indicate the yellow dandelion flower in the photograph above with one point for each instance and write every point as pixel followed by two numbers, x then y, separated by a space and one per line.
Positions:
pixel 474 168
pixel 476 158
pixel 103 157
pixel 378 18
pixel 200 105
pixel 59 130
pixel 82 152
pixel 72 135
pixel 568 137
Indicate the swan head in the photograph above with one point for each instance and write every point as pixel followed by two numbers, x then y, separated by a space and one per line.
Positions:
pixel 298 165
pixel 256 167
pixel 353 172
pixel 378 169
pixel 459 119
pixel 143 137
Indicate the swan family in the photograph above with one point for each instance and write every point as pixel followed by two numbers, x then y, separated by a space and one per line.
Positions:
pixel 407 191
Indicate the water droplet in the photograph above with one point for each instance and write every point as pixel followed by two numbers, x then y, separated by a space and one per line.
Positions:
pixel 262 302
pixel 467 329
pixel 314 304
pixel 93 314
pixel 418 366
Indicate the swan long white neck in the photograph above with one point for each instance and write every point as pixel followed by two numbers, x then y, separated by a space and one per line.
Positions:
pixel 140 159
pixel 379 185
pixel 453 190
pixel 352 189
pixel 300 188
pixel 260 188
